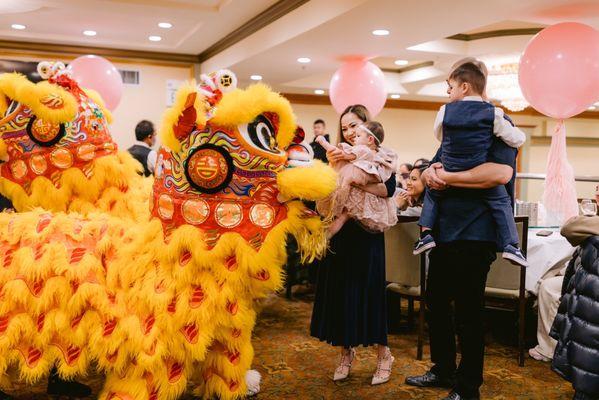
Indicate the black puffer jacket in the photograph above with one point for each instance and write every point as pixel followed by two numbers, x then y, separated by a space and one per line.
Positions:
pixel 576 326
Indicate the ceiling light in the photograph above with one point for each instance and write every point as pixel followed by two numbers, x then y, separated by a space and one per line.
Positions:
pixel 401 62
pixel 256 77
pixel 165 25
pixel 90 33
pixel 502 84
pixel 395 96
pixel 318 91
pixel 18 27
pixel 154 38
pixel 303 60
pixel 380 32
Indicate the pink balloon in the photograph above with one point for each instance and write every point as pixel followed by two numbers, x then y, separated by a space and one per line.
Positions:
pixel 99 74
pixel 559 69
pixel 358 82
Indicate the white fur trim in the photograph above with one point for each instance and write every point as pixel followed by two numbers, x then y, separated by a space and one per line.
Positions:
pixel 252 380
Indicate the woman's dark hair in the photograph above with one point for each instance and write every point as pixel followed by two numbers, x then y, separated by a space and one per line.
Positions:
pixel 421 161
pixel 143 129
pixel 360 111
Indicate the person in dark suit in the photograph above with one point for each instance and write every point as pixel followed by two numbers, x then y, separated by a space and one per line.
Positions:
pixel 142 149
pixel 320 130
pixel 458 271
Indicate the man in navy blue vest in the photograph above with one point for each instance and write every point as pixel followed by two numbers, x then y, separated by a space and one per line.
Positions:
pixel 466 235
pixel 142 149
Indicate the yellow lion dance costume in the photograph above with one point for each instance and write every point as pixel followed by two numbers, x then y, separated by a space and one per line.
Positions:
pixel 149 300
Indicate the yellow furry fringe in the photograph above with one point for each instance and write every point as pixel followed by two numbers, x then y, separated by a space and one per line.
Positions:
pixel 3 150
pixel 243 106
pixel 314 182
pixel 172 114
pixel 116 292
pixel 49 102
pixel 114 187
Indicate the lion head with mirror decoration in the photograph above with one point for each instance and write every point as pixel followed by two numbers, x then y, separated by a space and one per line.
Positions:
pixel 56 149
pixel 230 159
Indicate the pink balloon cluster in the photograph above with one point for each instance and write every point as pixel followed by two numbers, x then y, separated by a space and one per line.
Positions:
pixel 97 73
pixel 358 82
pixel 559 70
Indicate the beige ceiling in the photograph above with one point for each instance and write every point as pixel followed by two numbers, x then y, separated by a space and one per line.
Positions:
pixel 326 31
pixel 127 24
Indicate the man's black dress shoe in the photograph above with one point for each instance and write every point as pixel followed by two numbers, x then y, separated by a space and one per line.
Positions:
pixel 429 379
pixel 455 396
pixel 5 396
pixel 58 387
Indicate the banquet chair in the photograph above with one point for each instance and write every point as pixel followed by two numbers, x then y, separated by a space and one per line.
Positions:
pixel 506 286
pixel 405 272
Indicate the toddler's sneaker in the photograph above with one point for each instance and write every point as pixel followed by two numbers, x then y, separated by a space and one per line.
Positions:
pixel 514 255
pixel 424 243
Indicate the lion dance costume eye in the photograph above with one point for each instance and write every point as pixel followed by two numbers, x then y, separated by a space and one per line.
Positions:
pixel 149 296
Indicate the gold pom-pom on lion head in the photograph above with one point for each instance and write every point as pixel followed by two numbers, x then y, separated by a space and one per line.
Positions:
pixel 225 164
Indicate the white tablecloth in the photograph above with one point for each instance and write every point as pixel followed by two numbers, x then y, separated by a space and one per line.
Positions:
pixel 545 254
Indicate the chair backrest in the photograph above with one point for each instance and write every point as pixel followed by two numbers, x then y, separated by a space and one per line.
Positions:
pixel 503 274
pixel 401 265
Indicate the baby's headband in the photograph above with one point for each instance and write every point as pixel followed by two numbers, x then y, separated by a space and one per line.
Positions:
pixel 368 131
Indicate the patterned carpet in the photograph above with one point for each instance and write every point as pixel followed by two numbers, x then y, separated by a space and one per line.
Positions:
pixel 296 366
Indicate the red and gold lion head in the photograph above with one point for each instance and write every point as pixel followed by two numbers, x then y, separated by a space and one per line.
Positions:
pixel 56 151
pixel 225 157
pixel 50 127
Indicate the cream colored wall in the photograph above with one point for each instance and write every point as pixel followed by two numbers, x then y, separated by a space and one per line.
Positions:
pixel 409 132
pixel 144 101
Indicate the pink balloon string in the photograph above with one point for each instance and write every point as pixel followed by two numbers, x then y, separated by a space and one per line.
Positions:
pixel 559 196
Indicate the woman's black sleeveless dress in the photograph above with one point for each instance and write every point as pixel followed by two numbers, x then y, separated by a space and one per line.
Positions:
pixel 350 306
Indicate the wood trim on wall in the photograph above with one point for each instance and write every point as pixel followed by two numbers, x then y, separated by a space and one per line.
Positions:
pixel 268 16
pixel 21 48
pixel 497 33
pixel 570 141
pixel 312 99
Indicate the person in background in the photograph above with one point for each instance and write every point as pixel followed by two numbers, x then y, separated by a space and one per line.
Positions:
pixel 142 149
pixel 421 161
pixel 320 130
pixel 404 174
pixel 409 202
pixel 550 292
pixel 576 322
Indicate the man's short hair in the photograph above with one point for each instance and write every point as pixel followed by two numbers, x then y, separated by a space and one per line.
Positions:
pixel 319 121
pixel 470 73
pixel 143 129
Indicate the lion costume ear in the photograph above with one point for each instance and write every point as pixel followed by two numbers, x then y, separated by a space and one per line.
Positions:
pixel 188 113
pixel 47 101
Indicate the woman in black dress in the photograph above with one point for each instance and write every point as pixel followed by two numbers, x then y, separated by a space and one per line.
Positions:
pixel 350 307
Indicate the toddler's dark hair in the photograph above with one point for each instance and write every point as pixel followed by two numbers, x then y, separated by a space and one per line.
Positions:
pixel 470 73
pixel 377 130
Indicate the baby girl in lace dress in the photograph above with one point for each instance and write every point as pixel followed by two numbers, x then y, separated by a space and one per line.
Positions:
pixel 371 164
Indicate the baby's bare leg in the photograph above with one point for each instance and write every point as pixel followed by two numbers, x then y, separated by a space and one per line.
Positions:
pixel 321 140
